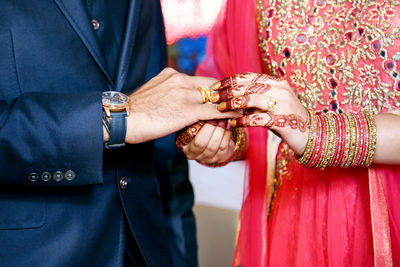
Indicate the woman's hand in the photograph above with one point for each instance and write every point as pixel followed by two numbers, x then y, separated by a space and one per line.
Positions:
pixel 269 102
pixel 210 143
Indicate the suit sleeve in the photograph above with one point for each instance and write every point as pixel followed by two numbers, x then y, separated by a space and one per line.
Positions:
pixel 51 139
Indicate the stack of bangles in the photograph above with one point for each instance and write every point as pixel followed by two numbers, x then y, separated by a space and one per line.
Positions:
pixel 345 140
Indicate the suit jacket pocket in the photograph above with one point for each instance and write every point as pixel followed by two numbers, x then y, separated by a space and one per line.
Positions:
pixel 9 85
pixel 22 211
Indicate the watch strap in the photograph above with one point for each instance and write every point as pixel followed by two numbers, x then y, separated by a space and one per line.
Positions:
pixel 106 123
pixel 117 130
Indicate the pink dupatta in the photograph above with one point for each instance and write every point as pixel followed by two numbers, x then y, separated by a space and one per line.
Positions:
pixel 232 47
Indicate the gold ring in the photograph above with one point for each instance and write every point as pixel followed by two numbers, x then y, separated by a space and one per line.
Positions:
pixel 205 92
pixel 272 104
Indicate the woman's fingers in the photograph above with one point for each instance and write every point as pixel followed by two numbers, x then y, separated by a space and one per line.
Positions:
pixel 247 77
pixel 240 90
pixel 273 121
pixel 261 102
pixel 188 134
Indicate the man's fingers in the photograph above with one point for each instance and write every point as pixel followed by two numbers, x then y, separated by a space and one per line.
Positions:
pixel 202 81
pixel 225 150
pixel 200 142
pixel 213 144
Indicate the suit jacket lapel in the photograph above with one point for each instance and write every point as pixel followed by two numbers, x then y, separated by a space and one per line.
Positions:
pixel 78 17
pixel 127 43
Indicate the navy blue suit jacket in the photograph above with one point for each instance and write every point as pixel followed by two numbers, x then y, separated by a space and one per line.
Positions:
pixel 52 73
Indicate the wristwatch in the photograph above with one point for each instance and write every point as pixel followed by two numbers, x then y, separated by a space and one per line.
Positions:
pixel 115 111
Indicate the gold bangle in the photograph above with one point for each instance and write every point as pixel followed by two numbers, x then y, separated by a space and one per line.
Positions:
pixel 349 141
pixel 371 140
pixel 352 141
pixel 355 143
pixel 305 157
pixel 239 136
pixel 331 138
pixel 347 129
pixel 321 162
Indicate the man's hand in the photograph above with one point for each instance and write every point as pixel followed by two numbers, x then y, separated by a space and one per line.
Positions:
pixel 209 143
pixel 167 103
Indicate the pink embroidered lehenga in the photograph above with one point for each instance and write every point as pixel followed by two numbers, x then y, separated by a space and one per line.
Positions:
pixel 337 55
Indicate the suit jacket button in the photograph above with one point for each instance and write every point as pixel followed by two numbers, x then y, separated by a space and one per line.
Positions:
pixel 33 177
pixel 58 176
pixel 69 175
pixel 46 176
pixel 123 182
pixel 95 24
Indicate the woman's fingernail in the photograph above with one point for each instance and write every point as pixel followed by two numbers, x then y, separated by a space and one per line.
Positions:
pixel 216 85
pixel 214 98
pixel 222 106
pixel 233 123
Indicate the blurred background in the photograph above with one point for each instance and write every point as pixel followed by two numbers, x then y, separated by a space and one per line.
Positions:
pixel 218 191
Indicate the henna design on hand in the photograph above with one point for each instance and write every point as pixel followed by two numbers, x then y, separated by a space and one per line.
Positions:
pixel 186 135
pixel 258 88
pixel 292 120
pixel 231 81
pixel 225 94
pixel 237 103
pixel 228 82
pixel 262 78
pixel 269 120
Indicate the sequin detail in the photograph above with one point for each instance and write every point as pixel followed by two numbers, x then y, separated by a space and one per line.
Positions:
pixel 337 55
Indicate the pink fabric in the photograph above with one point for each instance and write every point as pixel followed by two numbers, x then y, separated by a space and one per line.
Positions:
pixel 232 47
pixel 320 218
pixel 386 179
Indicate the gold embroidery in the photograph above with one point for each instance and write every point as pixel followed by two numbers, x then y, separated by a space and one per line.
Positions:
pixel 337 54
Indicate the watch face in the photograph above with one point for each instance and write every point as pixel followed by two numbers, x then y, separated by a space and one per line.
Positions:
pixel 114 99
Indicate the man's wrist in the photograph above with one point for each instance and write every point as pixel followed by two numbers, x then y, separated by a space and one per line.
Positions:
pixel 115 112
pixel 106 135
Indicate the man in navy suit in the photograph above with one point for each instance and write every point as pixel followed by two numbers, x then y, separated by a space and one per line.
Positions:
pixel 65 200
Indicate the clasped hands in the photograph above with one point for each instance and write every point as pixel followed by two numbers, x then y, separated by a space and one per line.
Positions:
pixel 171 101
pixel 263 101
